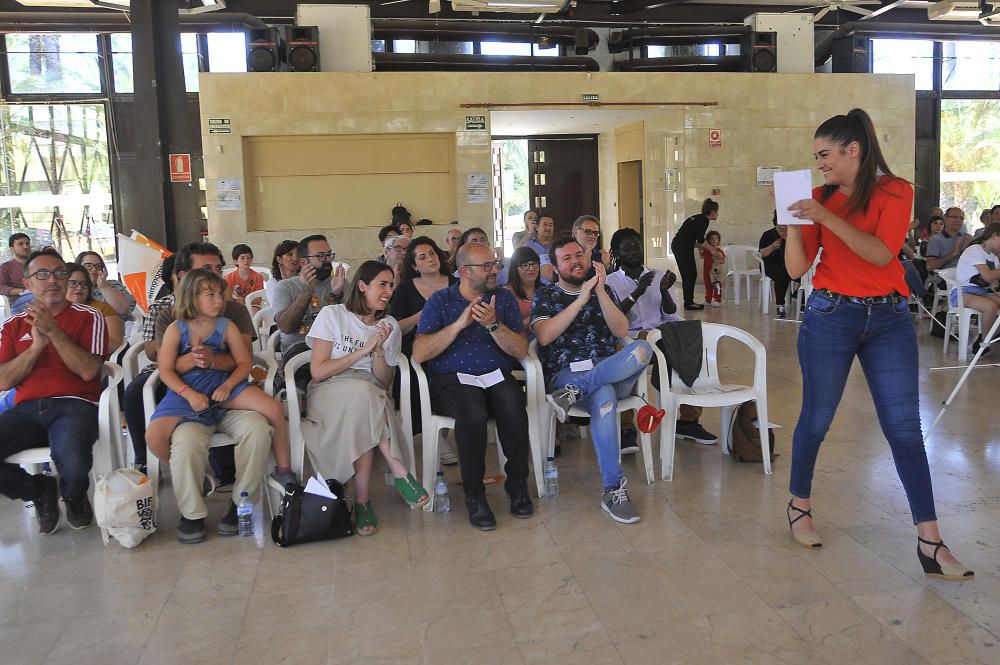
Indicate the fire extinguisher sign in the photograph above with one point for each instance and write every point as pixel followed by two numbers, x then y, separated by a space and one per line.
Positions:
pixel 180 167
pixel 715 138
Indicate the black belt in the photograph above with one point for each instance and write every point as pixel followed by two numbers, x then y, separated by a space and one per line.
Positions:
pixel 891 299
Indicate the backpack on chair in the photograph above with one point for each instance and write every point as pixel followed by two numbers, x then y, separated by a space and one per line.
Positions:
pixel 744 436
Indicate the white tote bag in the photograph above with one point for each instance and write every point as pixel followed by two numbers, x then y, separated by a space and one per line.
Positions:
pixel 123 505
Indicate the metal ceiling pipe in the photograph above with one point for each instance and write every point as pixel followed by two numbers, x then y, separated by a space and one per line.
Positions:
pixel 440 62
pixel 449 31
pixel 824 49
pixel 115 21
pixel 725 63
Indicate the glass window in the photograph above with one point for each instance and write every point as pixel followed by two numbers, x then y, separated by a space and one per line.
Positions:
pixel 504 48
pixel 72 210
pixel 411 46
pixel 189 59
pixel 971 65
pixel 970 155
pixel 905 56
pixel 545 51
pixel 378 46
pixel 227 52
pixel 684 50
pixel 64 63
pixel 121 61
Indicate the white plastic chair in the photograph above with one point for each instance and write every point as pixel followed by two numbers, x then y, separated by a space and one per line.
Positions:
pixel 432 424
pixel 218 439
pixel 959 316
pixel 740 269
pixel 941 301
pixel 109 438
pixel 709 391
pixel 4 308
pixel 133 361
pixel 766 285
pixel 258 298
pixel 548 416
pixel 262 322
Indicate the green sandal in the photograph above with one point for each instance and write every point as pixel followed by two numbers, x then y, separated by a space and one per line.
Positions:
pixel 367 522
pixel 411 491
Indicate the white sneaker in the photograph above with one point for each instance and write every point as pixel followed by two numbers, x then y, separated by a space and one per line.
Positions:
pixel 716 303
pixel 447 452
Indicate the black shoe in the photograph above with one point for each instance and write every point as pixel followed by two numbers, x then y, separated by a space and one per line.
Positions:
pixel 976 346
pixel 780 313
pixel 694 307
pixel 47 505
pixel 695 432
pixel 190 532
pixel 557 451
pixel 79 514
pixel 520 498
pixel 480 515
pixel 229 525
pixel 630 441
pixel 933 568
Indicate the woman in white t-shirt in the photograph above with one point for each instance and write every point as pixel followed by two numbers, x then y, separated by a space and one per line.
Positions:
pixel 978 269
pixel 355 352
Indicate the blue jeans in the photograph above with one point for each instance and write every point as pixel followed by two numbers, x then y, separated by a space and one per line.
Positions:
pixel 68 426
pixel 913 279
pixel 834 331
pixel 610 380
pixel 18 304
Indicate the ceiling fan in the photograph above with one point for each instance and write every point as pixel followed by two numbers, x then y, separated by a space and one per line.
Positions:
pixel 852 6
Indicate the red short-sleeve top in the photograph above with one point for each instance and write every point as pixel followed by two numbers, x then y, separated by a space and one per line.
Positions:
pixel 840 269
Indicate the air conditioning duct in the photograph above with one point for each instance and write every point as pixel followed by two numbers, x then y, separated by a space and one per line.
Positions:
pixel 510 6
pixel 954 10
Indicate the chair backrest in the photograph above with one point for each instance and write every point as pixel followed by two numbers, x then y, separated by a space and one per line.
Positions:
pixel 262 322
pixel 760 260
pixel 711 335
pixel 133 361
pixel 110 452
pixel 296 442
pixel 738 257
pixel 255 298
pixel 4 308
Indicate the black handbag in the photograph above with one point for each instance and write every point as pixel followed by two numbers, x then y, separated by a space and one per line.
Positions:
pixel 306 518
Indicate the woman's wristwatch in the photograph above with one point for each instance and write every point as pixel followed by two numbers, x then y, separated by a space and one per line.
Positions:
pixel 493 327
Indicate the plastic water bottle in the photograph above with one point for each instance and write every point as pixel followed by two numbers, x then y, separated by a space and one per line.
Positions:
pixel 244 513
pixel 442 504
pixel 551 475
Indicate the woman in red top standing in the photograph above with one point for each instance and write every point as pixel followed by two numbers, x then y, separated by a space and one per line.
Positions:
pixel 859 308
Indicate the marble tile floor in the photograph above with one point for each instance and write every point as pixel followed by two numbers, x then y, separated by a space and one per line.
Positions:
pixel 710 575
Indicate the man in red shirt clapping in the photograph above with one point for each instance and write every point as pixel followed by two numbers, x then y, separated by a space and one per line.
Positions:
pixel 52 354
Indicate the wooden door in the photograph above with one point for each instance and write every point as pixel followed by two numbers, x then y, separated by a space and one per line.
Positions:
pixel 564 178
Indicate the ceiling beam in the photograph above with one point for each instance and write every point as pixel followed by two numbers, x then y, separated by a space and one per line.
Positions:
pixel 633 6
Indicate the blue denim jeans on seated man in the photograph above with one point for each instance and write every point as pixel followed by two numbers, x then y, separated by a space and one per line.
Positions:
pixel 834 331
pixel 66 425
pixel 610 380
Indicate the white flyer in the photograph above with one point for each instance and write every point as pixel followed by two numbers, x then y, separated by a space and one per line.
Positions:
pixel 482 380
pixel 791 187
pixel 319 487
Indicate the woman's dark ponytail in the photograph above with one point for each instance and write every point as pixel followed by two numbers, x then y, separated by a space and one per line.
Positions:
pixel 988 232
pixel 843 130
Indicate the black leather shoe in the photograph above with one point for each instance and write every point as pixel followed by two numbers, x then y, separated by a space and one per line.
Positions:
pixel 480 515
pixel 520 499
pixel 79 513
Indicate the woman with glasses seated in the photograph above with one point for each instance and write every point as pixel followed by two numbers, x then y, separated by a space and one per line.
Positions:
pixel 80 289
pixel 523 279
pixel 109 291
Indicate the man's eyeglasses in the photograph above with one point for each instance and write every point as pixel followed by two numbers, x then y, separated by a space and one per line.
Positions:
pixel 528 265
pixel 592 233
pixel 44 274
pixel 487 267
pixel 76 284
pixel 93 266
pixel 322 256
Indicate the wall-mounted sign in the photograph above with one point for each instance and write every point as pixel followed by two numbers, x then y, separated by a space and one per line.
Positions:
pixel 765 174
pixel 475 123
pixel 180 167
pixel 477 188
pixel 715 138
pixel 590 98
pixel 227 195
pixel 219 126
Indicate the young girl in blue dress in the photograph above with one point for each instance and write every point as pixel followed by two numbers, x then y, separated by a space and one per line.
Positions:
pixel 203 395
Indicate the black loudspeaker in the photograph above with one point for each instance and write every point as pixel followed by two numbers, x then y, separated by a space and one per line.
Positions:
pixel 852 55
pixel 581 41
pixel 759 51
pixel 302 49
pixel 265 52
pixel 616 42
